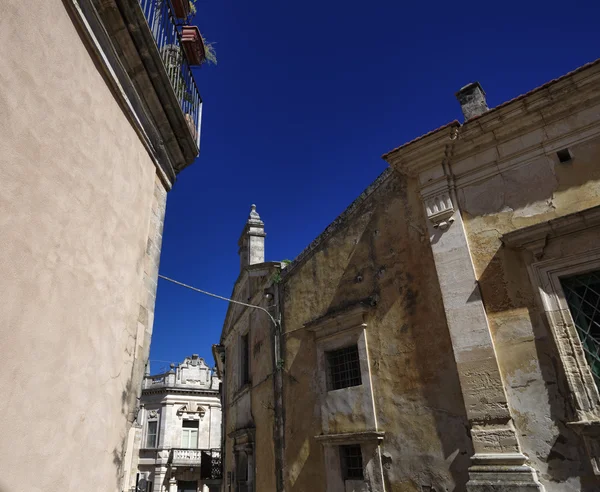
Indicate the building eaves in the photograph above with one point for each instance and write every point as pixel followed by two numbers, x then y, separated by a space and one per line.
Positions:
pixel 422 137
pixel 492 110
pixel 533 91
pixel 338 223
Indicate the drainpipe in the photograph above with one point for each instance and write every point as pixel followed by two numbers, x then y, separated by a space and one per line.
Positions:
pixel 278 421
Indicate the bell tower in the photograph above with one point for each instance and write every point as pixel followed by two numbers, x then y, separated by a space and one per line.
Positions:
pixel 252 240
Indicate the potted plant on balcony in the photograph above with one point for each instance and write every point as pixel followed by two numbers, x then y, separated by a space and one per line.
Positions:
pixel 197 50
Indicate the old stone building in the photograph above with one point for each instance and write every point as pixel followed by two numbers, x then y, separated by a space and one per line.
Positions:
pixel 94 130
pixel 177 442
pixel 442 334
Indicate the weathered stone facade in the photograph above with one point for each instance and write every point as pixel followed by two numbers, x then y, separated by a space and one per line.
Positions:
pixel 442 288
pixel 177 439
pixel 90 146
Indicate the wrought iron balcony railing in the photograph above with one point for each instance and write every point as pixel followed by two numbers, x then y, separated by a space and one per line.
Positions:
pixel 163 25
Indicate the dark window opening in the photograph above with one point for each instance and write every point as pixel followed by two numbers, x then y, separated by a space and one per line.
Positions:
pixel 245 376
pixel 351 461
pixel 343 368
pixel 564 155
pixel 582 293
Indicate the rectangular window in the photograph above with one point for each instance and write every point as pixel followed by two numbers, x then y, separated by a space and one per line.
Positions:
pixel 151 434
pixel 245 362
pixel 189 434
pixel 582 293
pixel 351 461
pixel 343 368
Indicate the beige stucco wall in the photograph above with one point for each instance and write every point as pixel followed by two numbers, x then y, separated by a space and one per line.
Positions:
pixel 76 200
pixel 537 191
pixel 416 390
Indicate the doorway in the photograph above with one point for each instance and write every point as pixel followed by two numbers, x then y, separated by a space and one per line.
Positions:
pixel 187 486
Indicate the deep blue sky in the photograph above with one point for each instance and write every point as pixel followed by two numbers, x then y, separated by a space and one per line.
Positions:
pixel 306 98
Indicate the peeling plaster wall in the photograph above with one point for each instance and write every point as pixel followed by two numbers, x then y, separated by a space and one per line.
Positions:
pixel 379 252
pixel 536 191
pixel 81 213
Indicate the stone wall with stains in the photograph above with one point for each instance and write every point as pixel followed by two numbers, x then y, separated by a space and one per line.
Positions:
pixel 377 252
pixel 536 191
pixel 249 406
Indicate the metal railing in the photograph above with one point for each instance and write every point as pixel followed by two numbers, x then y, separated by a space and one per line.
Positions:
pixel 164 28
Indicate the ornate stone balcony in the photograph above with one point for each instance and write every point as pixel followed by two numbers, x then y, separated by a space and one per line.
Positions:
pixel 186 457
pixel 209 461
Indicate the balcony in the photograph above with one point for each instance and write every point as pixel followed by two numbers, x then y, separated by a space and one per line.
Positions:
pixel 186 457
pixel 209 461
pixel 140 45
pixel 164 28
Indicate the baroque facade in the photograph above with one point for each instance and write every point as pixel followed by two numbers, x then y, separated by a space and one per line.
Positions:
pixel 442 334
pixel 94 131
pixel 177 441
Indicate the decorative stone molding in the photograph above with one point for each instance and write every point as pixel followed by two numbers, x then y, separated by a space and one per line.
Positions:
pixel 191 411
pixel 330 324
pixel 440 210
pixel 350 437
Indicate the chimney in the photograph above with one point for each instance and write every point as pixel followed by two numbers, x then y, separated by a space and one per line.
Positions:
pixel 472 100
pixel 252 240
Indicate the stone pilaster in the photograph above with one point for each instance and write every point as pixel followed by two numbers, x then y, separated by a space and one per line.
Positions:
pixel 498 464
pixel 160 473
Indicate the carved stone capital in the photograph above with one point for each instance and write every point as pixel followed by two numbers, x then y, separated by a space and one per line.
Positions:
pixel 440 209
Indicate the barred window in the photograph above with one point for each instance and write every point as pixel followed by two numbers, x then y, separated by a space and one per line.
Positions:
pixel 343 368
pixel 351 461
pixel 582 293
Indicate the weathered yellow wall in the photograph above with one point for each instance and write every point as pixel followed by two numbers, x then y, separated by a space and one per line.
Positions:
pixel 535 192
pixel 417 395
pixel 75 204
pixel 253 407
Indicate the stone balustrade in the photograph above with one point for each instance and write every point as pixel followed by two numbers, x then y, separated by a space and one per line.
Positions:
pixel 186 457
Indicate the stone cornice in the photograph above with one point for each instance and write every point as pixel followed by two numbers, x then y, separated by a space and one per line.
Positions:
pixel 535 237
pixel 348 318
pixel 102 47
pixel 539 106
pixel 351 437
pixel 511 134
pixel 423 153
pixel 180 391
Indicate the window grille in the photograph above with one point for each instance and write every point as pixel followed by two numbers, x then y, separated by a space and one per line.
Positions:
pixel 343 368
pixel 351 460
pixel 582 294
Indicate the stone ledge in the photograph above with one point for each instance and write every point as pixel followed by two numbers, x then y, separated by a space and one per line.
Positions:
pixel 350 437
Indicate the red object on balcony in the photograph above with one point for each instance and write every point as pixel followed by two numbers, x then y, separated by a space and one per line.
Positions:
pixel 181 8
pixel 193 45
